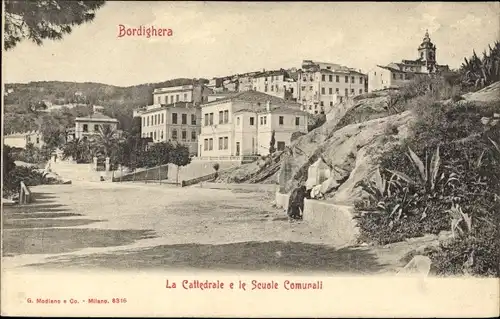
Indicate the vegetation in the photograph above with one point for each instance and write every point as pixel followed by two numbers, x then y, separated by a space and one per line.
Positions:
pixel 40 20
pixel 446 176
pixel 12 175
pixel 480 72
pixel 272 144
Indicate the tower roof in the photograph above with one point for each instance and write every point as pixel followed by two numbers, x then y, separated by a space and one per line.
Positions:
pixel 426 42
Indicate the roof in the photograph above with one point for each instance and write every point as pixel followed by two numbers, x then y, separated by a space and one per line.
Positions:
pixel 270 73
pixel 22 134
pixel 96 117
pixel 254 97
pixel 165 106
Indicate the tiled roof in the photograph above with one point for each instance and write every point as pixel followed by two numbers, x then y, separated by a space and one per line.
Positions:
pixel 96 116
pixel 255 97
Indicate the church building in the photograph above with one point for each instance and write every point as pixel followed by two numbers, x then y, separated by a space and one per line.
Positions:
pixel 397 74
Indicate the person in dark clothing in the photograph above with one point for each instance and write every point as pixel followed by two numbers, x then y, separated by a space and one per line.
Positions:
pixel 296 202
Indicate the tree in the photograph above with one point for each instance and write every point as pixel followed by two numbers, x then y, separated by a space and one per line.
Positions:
pixel 75 149
pixel 272 147
pixel 179 156
pixel 107 140
pixel 38 20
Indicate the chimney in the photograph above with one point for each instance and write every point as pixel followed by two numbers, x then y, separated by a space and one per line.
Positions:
pixel 268 106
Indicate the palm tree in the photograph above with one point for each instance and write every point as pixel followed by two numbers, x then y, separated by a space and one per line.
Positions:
pixel 107 140
pixel 75 149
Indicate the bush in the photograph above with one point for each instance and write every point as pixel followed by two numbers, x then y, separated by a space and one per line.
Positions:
pixel 450 164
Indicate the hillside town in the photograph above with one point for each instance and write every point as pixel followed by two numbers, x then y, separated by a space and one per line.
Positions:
pixel 316 167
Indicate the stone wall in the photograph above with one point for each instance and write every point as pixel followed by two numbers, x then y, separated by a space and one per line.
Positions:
pixel 153 173
pixel 248 187
pixel 282 200
pixel 337 220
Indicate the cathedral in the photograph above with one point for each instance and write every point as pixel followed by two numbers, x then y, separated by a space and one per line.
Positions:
pixel 398 73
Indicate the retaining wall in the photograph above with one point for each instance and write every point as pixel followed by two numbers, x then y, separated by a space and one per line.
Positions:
pixel 248 187
pixel 282 200
pixel 146 174
pixel 337 220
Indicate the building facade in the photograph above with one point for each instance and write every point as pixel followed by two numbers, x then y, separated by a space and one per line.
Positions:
pixel 21 140
pixel 276 83
pixel 178 122
pixel 397 74
pixel 193 93
pixel 321 85
pixel 90 125
pixel 242 125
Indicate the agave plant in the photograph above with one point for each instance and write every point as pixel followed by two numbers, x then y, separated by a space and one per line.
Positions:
pixel 378 187
pixel 428 171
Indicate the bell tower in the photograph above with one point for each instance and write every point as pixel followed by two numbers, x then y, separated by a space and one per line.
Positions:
pixel 427 52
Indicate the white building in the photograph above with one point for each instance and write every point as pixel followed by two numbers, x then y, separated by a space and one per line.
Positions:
pixel 193 93
pixel 396 75
pixel 90 125
pixel 21 140
pixel 321 85
pixel 242 125
pixel 276 83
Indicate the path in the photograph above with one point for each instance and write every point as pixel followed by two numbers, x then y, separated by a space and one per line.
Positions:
pixel 137 226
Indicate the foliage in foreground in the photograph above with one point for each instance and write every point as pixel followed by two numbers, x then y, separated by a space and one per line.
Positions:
pixel 445 177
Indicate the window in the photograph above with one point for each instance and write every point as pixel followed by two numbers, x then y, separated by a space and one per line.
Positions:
pixel 331 103
pixel 401 76
pixel 238 120
pixel 337 78
pixel 221 117
pixel 251 120
pixel 193 119
pixel 226 116
pixel 185 97
pixel 206 119
pixel 184 135
pixel 211 118
pixel 226 143
pixel 205 144
pixel 158 99
pixel 177 98
pixel 281 120
pixel 272 88
pixel 174 118
pixel 265 88
pixel 193 136
pixel 155 119
pixel 291 90
pixel 210 144
pixel 171 99
pixel 184 118
pixel 352 91
pixel 143 121
pixel 304 79
pixel 174 134
pixel 330 91
pixel 161 134
pixel 151 134
pixel 162 118
pixel 352 79
pixel 38 140
pixel 221 143
pixel 340 99
pixel 297 121
pixel 321 103
pixel 322 90
pixel 346 92
pixel 303 88
pixel 394 76
pixel 85 128
pixel 360 91
pixel 323 77
pixel 360 80
pixel 330 78
pixel 346 79
pixel 96 127
pixel 337 90
pixel 310 88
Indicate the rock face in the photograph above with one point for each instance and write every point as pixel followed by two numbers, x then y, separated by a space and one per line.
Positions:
pixel 419 265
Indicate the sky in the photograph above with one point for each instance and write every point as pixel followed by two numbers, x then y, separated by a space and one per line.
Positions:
pixel 213 39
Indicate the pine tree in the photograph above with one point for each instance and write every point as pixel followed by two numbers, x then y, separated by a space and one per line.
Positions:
pixel 272 148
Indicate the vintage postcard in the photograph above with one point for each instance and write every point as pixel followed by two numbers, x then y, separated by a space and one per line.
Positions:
pixel 250 159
